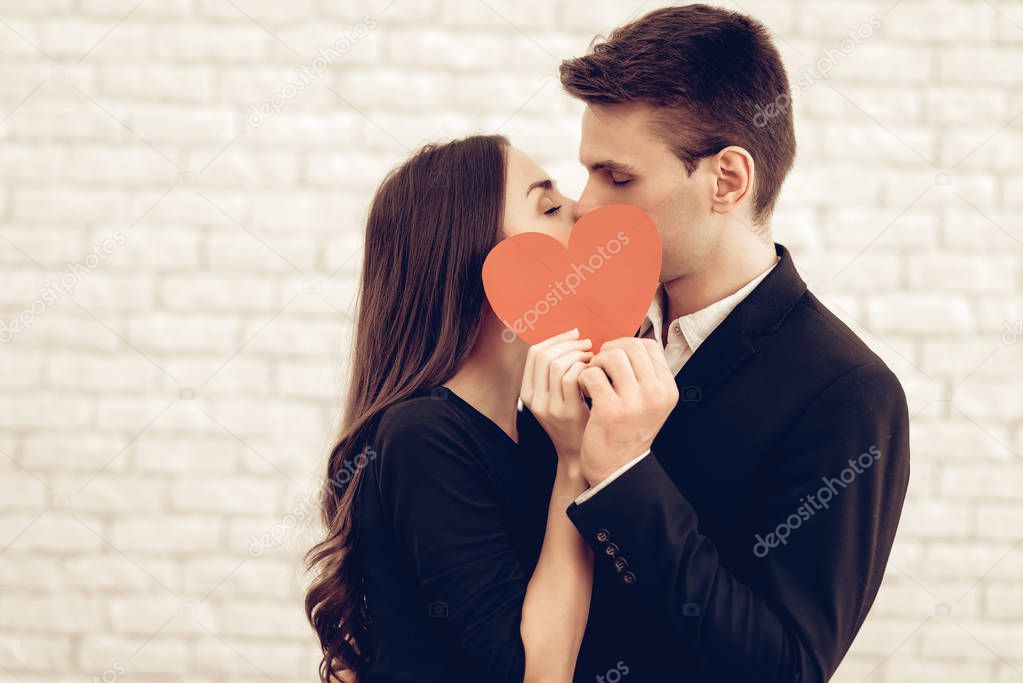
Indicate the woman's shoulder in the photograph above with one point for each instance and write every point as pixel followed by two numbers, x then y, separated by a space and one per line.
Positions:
pixel 432 429
pixel 423 439
pixel 424 414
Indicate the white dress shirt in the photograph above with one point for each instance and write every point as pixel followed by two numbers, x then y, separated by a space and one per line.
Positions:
pixel 685 334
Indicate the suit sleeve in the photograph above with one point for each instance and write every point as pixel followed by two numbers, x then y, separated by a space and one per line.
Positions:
pixel 446 514
pixel 821 526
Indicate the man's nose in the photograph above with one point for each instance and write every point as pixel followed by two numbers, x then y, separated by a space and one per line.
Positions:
pixel 584 205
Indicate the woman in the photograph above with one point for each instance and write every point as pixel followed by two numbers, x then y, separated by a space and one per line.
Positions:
pixel 439 494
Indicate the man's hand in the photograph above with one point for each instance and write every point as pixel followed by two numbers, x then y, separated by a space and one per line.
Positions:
pixel 633 392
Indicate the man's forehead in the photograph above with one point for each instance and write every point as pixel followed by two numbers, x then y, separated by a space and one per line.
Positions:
pixel 615 115
pixel 611 136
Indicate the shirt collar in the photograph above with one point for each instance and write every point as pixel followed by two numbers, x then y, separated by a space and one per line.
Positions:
pixel 698 325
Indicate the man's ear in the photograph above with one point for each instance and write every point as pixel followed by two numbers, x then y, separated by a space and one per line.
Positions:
pixel 734 171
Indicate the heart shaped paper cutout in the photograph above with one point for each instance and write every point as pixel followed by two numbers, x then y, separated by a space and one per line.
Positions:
pixel 602 283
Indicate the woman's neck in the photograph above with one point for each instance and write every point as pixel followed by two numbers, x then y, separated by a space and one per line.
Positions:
pixel 490 379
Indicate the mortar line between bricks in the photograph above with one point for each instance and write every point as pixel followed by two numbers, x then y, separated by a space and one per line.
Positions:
pixel 883 127
pixel 111 30
pixel 25 469
pixel 232 649
pixel 122 450
pixel 268 31
pixel 883 231
pixel 986 646
pixel 990 569
pixel 987 218
pixel 528 37
pixel 246 342
pixel 26 40
pixel 150 638
pixel 247 445
pixel 897 648
pixel 23 100
pixel 22 532
pixel 125 125
pixel 123 554
pixel 128 343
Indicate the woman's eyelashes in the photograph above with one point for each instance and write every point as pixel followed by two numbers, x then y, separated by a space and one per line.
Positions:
pixel 552 208
pixel 618 180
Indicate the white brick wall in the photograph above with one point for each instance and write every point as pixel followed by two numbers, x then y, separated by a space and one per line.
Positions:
pixel 163 422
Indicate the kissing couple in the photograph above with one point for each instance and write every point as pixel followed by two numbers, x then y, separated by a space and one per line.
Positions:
pixel 649 511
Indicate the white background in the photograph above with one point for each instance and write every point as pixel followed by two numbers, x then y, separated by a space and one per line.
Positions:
pixel 177 402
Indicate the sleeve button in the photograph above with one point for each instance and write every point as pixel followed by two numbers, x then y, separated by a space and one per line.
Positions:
pixel 603 535
pixel 611 549
pixel 629 578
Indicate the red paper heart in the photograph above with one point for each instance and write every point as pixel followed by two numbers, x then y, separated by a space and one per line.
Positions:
pixel 602 283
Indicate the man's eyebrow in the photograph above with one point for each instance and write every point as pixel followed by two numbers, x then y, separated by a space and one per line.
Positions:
pixel 613 166
pixel 544 184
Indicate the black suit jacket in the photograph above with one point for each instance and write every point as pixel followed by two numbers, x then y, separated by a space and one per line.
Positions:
pixel 750 545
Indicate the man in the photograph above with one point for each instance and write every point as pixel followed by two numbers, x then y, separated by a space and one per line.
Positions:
pixel 748 454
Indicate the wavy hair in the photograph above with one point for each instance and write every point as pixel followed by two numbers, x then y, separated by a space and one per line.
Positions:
pixel 420 308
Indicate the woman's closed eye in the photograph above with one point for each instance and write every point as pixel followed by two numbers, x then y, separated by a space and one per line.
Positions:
pixel 549 206
pixel 619 180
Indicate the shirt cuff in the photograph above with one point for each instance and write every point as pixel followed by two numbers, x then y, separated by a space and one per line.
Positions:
pixel 590 492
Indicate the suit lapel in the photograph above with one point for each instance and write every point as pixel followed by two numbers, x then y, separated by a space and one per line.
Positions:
pixel 733 342
pixel 717 357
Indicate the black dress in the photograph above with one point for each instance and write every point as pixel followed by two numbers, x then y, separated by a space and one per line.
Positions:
pixel 450 519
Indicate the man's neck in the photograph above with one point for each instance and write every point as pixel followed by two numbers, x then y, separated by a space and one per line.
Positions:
pixel 732 268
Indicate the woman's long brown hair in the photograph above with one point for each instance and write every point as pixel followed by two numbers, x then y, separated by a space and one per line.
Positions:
pixel 420 307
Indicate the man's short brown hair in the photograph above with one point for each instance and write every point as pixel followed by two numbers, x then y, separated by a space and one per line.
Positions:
pixel 714 78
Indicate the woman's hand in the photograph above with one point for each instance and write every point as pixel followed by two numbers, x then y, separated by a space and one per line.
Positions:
pixel 550 389
pixel 557 602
